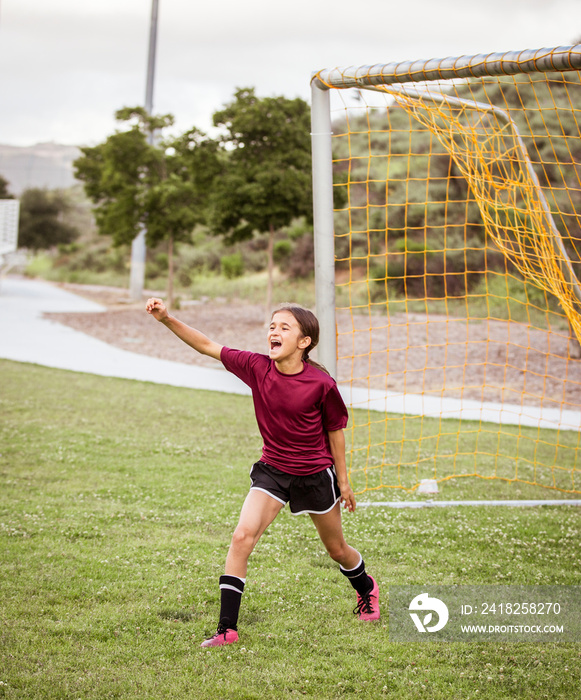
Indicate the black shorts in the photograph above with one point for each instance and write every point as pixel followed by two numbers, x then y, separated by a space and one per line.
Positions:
pixel 312 493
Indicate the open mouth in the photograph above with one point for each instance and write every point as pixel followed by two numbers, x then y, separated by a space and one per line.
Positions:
pixel 275 344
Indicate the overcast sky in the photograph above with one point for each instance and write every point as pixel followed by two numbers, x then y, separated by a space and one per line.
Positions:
pixel 67 65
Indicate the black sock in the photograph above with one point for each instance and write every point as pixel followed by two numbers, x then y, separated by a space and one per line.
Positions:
pixel 231 589
pixel 358 578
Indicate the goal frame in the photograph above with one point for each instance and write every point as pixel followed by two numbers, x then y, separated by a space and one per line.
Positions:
pixel 373 78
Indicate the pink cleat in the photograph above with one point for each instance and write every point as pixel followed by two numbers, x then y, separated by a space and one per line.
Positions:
pixel 222 636
pixel 368 605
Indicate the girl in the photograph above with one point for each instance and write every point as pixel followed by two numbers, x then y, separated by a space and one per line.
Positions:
pixel 301 417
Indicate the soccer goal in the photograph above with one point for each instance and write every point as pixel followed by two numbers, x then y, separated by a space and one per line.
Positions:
pixel 447 205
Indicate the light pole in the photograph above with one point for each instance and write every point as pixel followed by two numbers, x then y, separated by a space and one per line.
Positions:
pixel 138 248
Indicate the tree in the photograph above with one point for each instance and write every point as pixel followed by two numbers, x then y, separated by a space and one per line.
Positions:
pixel 178 201
pixel 4 191
pixel 118 172
pixel 41 222
pixel 135 182
pixel 266 175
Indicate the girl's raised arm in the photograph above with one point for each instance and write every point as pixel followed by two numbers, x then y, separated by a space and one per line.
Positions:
pixel 189 335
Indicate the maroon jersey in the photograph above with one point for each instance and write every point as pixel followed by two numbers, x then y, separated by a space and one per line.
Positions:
pixel 293 411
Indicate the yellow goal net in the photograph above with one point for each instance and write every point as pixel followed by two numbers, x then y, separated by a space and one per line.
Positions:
pixel 447 272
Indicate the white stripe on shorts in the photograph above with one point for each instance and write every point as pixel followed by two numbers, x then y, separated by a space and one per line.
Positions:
pixel 317 512
pixel 276 498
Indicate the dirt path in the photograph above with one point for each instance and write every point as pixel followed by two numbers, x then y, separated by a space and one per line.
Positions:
pixel 482 360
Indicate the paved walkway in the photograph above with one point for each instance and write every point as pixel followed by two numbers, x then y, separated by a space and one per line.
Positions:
pixel 25 336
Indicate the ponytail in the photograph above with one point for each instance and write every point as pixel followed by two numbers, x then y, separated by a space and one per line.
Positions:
pixel 308 360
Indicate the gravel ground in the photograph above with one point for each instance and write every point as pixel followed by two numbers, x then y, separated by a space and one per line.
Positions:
pixel 483 360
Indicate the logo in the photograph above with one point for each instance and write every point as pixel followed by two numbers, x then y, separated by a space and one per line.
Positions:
pixel 428 605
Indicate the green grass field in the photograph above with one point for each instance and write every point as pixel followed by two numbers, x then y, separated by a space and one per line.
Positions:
pixel 117 503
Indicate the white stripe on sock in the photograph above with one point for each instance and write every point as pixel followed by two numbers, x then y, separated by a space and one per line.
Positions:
pixel 232 587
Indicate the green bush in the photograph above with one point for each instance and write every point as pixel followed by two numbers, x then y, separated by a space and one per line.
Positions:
pixel 198 259
pixel 92 259
pixel 39 266
pixel 68 248
pixel 446 268
pixel 254 259
pixel 232 265
pixel 184 277
pixel 162 260
pixel 301 264
pixel 281 252
pixel 298 228
pixel 152 271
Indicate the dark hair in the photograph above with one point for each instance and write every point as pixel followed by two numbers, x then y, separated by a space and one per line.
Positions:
pixel 309 326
